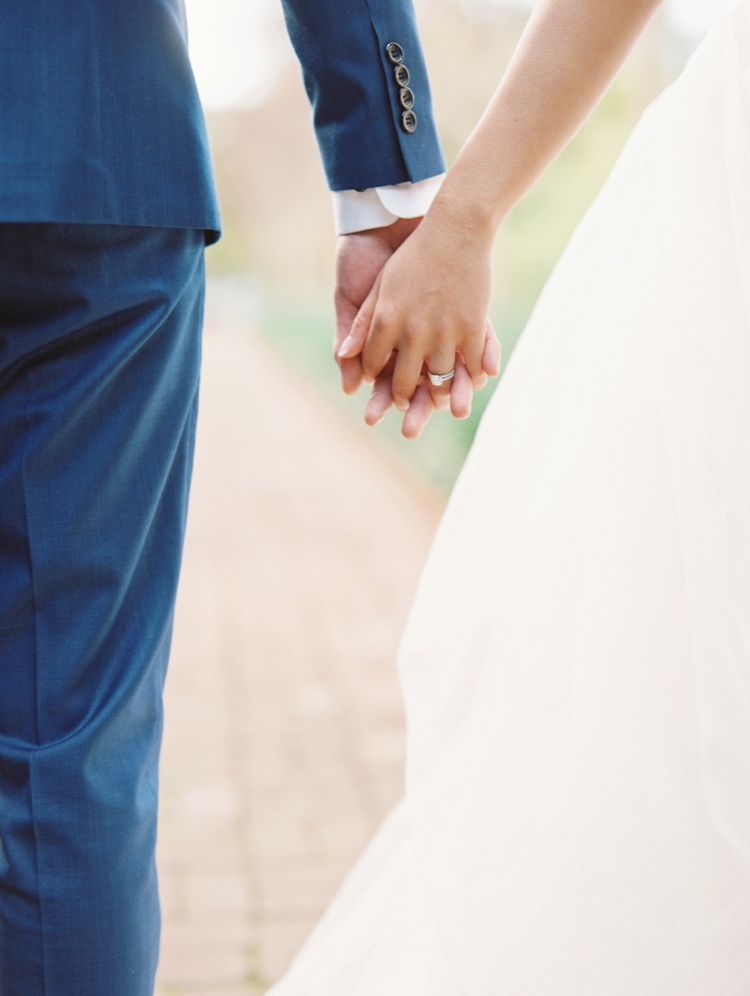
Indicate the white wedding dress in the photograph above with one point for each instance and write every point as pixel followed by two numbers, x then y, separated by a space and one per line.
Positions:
pixel 577 664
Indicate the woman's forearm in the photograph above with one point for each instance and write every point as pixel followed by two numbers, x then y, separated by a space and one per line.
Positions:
pixel 429 305
pixel 568 55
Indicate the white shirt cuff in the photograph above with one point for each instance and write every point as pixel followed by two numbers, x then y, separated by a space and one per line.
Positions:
pixel 357 211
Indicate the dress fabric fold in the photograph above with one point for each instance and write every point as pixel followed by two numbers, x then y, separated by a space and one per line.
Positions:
pixel 576 668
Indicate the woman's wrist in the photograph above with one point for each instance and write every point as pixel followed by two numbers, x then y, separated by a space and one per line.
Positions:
pixel 468 221
pixel 479 191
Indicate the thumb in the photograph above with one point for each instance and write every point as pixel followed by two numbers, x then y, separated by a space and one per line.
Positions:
pixel 346 312
pixel 355 341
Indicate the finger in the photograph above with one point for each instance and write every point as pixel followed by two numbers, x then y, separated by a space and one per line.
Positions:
pixel 379 401
pixel 379 348
pixel 346 312
pixel 492 352
pixel 354 343
pixel 351 374
pixel 381 398
pixel 462 391
pixel 420 411
pixel 479 382
pixel 405 378
pixel 441 361
pixel 350 370
pixel 472 350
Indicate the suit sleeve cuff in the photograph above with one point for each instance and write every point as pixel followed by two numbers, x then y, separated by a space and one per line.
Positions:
pixel 359 210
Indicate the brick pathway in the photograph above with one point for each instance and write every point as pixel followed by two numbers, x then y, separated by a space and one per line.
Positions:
pixel 283 746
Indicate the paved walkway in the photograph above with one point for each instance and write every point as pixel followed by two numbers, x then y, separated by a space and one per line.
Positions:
pixel 283 746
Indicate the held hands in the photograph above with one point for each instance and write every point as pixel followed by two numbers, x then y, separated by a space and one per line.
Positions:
pixel 360 257
pixel 412 298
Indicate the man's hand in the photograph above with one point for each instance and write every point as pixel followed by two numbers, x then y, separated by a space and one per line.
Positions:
pixel 359 259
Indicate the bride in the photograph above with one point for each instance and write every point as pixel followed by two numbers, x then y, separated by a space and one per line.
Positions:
pixel 576 668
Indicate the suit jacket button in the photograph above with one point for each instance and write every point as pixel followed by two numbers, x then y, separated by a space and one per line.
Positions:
pixel 409 121
pixel 406 96
pixel 395 53
pixel 402 75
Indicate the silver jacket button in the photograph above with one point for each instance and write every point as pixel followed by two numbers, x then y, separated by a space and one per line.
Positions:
pixel 401 73
pixel 406 96
pixel 409 121
pixel 395 53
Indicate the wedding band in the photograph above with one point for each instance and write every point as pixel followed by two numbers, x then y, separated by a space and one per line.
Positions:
pixel 437 380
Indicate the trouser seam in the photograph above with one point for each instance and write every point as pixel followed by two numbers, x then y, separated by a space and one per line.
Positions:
pixel 35 615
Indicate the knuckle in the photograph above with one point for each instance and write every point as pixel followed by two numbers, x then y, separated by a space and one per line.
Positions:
pixel 376 321
pixel 369 365
pixel 380 325
pixel 387 314
pixel 360 321
pixel 401 392
pixel 410 338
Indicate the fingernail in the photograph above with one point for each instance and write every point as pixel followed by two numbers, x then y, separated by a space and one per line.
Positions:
pixel 345 346
pixel 402 404
pixel 443 402
pixel 368 380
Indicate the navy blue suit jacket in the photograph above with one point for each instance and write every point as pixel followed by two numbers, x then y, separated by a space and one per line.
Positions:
pixel 100 120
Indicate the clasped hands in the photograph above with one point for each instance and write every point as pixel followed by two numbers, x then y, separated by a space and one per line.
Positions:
pixel 412 297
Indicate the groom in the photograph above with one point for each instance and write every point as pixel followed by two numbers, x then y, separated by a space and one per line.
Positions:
pixel 106 203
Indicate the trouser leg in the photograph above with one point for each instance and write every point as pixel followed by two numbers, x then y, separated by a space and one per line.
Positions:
pixel 99 364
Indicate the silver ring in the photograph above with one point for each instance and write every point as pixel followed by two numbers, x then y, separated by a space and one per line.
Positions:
pixel 437 380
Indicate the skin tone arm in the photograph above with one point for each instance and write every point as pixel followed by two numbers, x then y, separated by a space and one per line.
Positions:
pixel 430 301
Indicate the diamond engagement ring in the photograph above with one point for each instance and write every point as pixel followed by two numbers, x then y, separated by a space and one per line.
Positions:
pixel 437 380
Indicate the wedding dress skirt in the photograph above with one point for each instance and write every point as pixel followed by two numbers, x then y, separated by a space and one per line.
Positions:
pixel 577 665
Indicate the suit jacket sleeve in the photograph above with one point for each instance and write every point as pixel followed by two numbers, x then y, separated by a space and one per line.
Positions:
pixel 356 98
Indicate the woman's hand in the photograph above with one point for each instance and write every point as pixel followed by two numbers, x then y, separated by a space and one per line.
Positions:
pixel 459 391
pixel 428 312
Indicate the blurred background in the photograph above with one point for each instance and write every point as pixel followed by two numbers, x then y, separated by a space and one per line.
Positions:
pixel 284 735
pixel 274 262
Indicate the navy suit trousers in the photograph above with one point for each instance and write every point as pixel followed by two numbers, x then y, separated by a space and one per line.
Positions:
pixel 99 366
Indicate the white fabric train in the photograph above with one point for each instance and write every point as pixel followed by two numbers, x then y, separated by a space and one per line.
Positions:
pixel 577 665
